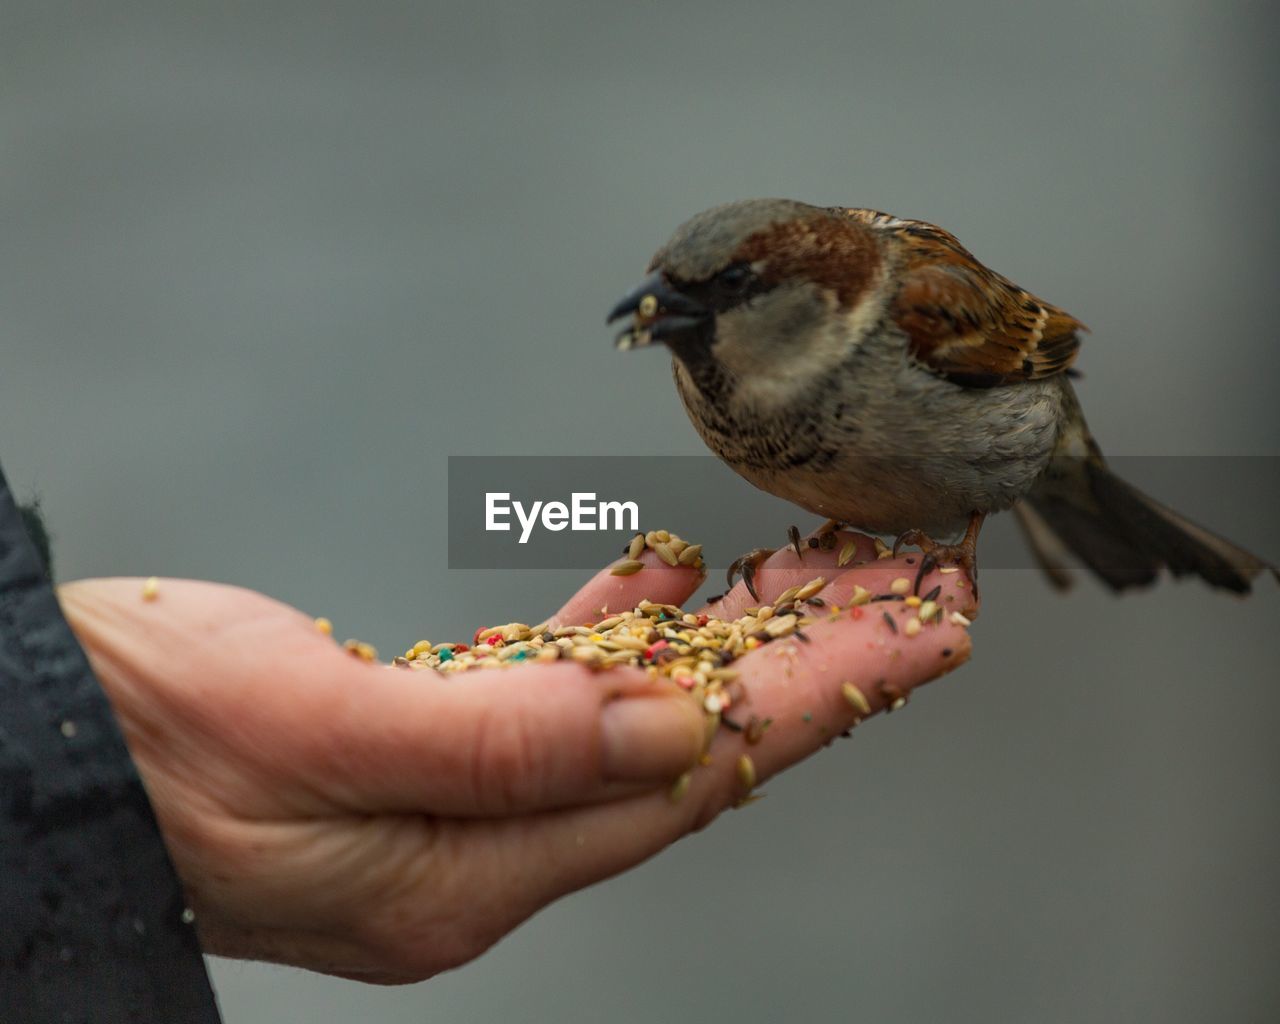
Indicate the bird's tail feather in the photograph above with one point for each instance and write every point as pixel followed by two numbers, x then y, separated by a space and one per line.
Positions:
pixel 1126 537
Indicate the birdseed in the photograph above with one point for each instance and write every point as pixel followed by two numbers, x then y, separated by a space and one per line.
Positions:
pixel 856 698
pixel 690 555
pixel 673 550
pixel 696 651
pixel 663 551
pixel 755 729
pixel 362 650
pixel 746 772
pixel 151 588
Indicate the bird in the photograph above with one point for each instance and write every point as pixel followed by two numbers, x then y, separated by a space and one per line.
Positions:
pixel 869 369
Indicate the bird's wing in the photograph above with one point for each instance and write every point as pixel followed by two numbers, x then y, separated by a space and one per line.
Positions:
pixel 965 322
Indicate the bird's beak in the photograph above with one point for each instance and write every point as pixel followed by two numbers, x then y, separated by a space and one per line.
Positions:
pixel 662 314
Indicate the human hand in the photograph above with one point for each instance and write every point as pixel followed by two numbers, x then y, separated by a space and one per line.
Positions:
pixel 385 824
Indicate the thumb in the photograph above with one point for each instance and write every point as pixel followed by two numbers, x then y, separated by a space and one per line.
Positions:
pixel 504 741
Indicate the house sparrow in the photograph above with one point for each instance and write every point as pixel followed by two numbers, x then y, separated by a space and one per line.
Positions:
pixel 871 370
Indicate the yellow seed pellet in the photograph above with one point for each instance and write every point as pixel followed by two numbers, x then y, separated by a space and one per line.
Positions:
pixel 912 627
pixel 151 588
pixel 324 626
pixel 913 602
pixel 900 586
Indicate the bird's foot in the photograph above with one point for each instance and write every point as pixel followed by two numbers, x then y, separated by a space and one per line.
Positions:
pixel 746 567
pixel 964 554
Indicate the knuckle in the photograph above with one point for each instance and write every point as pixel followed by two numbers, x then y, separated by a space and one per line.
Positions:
pixel 507 763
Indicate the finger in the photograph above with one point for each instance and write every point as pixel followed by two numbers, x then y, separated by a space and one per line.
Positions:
pixel 606 592
pixel 506 741
pixel 799 686
pixel 784 569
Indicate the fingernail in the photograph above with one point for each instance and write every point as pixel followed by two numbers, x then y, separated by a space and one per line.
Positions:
pixel 650 739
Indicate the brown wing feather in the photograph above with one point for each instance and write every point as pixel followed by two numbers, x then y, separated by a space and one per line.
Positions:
pixel 965 321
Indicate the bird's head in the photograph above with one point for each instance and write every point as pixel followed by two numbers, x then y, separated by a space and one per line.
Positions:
pixel 769 291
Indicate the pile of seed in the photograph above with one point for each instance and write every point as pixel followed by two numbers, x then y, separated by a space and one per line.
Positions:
pixel 696 651
pixel 667 546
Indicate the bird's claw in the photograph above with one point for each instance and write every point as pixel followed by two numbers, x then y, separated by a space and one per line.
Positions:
pixel 964 554
pixel 746 567
pixel 793 535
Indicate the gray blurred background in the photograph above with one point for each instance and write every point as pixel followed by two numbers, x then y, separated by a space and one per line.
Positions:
pixel 263 266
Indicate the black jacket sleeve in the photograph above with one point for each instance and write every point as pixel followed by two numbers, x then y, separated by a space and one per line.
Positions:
pixel 91 913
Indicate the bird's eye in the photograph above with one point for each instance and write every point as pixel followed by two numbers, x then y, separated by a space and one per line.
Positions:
pixel 734 277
